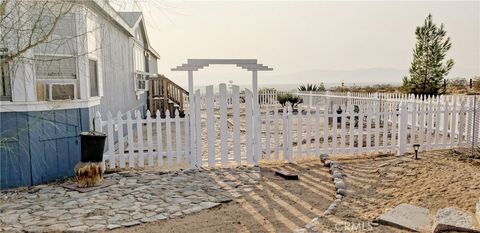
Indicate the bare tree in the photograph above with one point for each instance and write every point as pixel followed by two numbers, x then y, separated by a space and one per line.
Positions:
pixel 25 24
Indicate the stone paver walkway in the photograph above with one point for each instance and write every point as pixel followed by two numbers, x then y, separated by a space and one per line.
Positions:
pixel 137 197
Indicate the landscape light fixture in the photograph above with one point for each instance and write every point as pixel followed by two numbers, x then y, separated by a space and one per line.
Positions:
pixel 416 147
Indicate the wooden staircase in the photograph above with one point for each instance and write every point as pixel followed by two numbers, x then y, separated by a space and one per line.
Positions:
pixel 165 95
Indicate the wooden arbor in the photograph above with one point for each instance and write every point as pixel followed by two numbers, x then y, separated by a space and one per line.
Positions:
pixel 197 64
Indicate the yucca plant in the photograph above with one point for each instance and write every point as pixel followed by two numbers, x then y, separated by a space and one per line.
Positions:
pixel 311 87
pixel 294 100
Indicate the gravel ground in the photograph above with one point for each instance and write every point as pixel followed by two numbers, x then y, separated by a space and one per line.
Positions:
pixel 439 179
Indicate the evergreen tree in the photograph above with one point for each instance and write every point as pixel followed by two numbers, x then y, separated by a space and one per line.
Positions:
pixel 428 68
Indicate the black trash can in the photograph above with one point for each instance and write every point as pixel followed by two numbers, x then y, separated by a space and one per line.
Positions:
pixel 92 146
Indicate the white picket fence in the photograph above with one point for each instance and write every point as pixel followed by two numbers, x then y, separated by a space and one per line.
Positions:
pixel 137 142
pixel 231 131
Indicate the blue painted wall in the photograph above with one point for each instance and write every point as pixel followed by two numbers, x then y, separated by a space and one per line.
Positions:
pixel 40 146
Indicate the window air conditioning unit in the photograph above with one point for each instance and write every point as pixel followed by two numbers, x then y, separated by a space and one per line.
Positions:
pixel 61 91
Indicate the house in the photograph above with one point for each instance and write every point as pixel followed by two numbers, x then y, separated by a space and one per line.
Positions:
pixel 96 59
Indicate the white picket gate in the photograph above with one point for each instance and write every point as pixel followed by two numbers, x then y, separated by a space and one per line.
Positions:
pixel 230 130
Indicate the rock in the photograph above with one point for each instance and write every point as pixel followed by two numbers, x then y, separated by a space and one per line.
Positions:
pixel 58 227
pixel 323 157
pixel 342 192
pixel 327 163
pixel 209 205
pixel 340 185
pixel 150 207
pixel 223 199
pixel 407 216
pixel 337 175
pixel 335 180
pixel 78 229
pixel 131 223
pixel 334 165
pixel 453 219
pixel 112 226
pixel 54 213
pixel 96 227
pixel 332 207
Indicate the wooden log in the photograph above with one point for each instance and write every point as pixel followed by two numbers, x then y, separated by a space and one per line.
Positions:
pixel 286 175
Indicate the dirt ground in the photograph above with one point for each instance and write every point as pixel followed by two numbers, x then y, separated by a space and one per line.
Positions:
pixel 439 179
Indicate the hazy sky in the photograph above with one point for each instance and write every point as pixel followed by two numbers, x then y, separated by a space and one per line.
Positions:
pixel 297 36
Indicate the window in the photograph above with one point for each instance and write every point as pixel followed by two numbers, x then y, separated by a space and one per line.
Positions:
pixel 140 82
pixel 55 67
pixel 5 84
pixel 55 70
pixel 139 58
pixel 93 75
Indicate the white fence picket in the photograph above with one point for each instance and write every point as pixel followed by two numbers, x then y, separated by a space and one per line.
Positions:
pixel 326 130
pixel 186 153
pixel 236 124
pixel 121 144
pixel 140 149
pixel 317 131
pixel 343 135
pixel 275 132
pixel 178 137
pixel 267 134
pixel 158 126
pixel 289 133
pixel 223 124
pixel 299 133
pixel 198 132
pixel 130 137
pixel 334 132
pixel 211 135
pixel 377 128
pixel 351 130
pixel 446 118
pixel 248 126
pixel 308 136
pixel 111 143
pixel 168 135
pixel 360 133
pixel 149 139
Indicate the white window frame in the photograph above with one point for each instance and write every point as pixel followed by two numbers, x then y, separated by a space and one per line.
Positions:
pixel 97 77
pixel 94 53
pixel 143 78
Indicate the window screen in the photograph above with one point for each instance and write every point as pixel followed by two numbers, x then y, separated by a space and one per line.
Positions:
pixel 55 67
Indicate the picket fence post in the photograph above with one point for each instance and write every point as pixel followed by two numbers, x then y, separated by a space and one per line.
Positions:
pixel 402 129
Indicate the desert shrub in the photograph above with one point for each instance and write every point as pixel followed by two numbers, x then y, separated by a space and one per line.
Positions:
pixel 284 98
pixel 312 87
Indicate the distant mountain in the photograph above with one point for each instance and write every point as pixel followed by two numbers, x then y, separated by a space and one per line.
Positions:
pixel 349 77
pixel 368 76
pixel 331 78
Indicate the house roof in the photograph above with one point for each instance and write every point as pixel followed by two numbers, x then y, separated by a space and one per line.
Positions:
pixel 126 20
pixel 131 18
